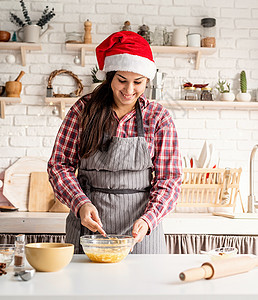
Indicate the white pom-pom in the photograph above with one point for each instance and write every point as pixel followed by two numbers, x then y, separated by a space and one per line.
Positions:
pixel 101 75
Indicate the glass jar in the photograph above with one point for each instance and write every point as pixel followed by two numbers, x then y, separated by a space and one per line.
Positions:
pixel 208 32
pixel 190 93
pixel 19 255
pixel 73 38
pixel 206 94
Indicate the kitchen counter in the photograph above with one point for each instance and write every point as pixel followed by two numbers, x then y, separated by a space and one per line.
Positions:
pixel 136 277
pixel 175 223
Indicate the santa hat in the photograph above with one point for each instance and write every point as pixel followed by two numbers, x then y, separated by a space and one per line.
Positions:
pixel 125 51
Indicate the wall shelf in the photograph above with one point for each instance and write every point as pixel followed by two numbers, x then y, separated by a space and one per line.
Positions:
pixel 175 104
pixel 61 102
pixel 209 104
pixel 197 51
pixel 7 100
pixel 23 47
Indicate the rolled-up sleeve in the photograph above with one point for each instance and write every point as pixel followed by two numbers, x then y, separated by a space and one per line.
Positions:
pixel 166 185
pixel 64 161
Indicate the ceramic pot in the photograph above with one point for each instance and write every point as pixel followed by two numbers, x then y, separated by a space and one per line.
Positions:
pixel 245 97
pixel 13 88
pixel 4 36
pixel 227 96
pixel 31 33
pixel 179 37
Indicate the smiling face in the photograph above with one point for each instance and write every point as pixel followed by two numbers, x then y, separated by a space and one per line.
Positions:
pixel 127 87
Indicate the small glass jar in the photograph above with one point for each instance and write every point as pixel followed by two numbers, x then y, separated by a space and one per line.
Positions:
pixel 190 93
pixel 73 38
pixel 19 254
pixel 208 32
pixel 206 94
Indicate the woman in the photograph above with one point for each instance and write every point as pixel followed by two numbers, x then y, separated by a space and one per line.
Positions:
pixel 125 149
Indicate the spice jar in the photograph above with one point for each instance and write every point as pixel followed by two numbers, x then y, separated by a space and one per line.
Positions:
pixel 206 94
pixel 208 32
pixel 190 93
pixel 19 254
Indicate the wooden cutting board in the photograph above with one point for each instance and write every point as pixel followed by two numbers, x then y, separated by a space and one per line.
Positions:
pixel 17 180
pixel 41 195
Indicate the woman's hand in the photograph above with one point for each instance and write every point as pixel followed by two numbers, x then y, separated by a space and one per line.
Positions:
pixel 140 229
pixel 90 218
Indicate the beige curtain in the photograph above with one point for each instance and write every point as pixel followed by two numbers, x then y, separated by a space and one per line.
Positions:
pixel 9 238
pixel 193 243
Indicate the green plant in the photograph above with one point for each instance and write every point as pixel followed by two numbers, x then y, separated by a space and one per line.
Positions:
pixel 43 20
pixel 243 82
pixel 94 71
pixel 221 86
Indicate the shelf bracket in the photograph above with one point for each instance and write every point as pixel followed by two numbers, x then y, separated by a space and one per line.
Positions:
pixel 2 109
pixel 197 60
pixel 82 57
pixel 23 56
pixel 62 109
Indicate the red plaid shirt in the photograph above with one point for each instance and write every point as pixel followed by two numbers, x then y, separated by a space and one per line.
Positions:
pixel 161 136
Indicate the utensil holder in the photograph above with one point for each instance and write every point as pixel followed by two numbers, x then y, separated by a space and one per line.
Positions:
pixel 205 187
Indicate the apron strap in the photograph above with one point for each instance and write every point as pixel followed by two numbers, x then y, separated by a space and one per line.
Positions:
pixel 139 121
pixel 119 191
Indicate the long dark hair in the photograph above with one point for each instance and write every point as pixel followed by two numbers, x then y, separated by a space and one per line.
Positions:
pixel 97 118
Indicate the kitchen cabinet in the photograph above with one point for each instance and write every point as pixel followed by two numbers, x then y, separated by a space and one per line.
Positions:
pixel 138 276
pixel 22 47
pixel 197 51
pixel 185 233
pixel 7 100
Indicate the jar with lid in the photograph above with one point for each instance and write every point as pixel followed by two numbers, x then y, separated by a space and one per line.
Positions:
pixel 206 94
pixel 73 38
pixel 190 93
pixel 208 32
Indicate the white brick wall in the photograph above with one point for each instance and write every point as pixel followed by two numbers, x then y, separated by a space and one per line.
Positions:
pixel 29 128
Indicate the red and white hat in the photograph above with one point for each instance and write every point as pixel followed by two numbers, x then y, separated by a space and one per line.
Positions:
pixel 125 51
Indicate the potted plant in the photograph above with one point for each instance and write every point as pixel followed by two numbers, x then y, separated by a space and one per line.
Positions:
pixel 31 30
pixel 243 95
pixel 224 88
pixel 95 81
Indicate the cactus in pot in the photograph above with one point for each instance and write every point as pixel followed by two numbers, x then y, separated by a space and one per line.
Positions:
pixel 243 95
pixel 224 88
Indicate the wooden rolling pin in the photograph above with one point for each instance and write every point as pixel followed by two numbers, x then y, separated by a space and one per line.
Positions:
pixel 220 268
pixel 20 76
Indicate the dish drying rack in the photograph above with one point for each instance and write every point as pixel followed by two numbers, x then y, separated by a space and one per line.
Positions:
pixel 207 187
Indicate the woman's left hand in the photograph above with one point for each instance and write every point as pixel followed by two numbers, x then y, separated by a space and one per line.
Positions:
pixel 140 229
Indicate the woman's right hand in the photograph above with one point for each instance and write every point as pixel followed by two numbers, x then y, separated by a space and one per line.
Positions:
pixel 90 218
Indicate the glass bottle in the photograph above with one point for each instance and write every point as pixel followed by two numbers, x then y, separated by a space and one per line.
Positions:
pixel 19 254
pixel 208 32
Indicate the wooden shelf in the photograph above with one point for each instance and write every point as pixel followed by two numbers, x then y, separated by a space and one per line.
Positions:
pixel 7 100
pixel 197 51
pixel 61 102
pixel 23 47
pixel 208 104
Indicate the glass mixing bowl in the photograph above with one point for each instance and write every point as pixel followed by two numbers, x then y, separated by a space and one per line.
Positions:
pixel 111 249
pixel 6 254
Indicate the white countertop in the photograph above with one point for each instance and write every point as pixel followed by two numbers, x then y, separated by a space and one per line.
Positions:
pixel 136 277
pixel 175 223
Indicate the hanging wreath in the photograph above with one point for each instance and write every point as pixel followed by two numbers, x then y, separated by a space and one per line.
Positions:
pixel 76 93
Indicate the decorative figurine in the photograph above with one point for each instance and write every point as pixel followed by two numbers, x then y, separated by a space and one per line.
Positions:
pixel 87 33
pixel 127 26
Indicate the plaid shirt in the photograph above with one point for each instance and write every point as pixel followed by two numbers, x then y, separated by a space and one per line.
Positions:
pixel 161 137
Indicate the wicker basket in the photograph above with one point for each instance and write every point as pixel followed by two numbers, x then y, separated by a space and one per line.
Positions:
pixel 210 188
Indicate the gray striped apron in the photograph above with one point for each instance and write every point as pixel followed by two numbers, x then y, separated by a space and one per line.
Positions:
pixel 117 182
